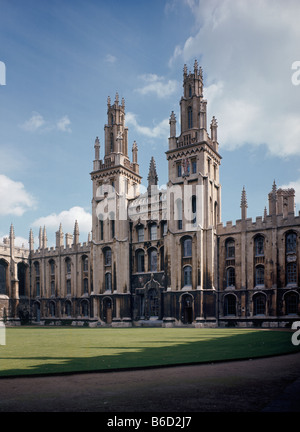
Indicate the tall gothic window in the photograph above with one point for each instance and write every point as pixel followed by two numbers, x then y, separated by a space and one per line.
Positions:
pixel 3 268
pixel 260 275
pixel 259 246
pixel 108 282
pixel 153 232
pixel 140 261
pixel 68 286
pixel 230 276
pixel 190 117
pixel 259 304
pixel 194 210
pixel 111 142
pixel 153 260
pixel 187 247
pixel 291 243
pixel 85 286
pixel 291 273
pixel 187 275
pixel 230 249
pixel 230 305
pixel 291 303
pixel 107 257
pixel 179 213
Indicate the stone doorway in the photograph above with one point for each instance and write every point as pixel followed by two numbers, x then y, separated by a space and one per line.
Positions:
pixel 187 309
pixel 107 310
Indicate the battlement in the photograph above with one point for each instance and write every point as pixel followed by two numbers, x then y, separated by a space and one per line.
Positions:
pixel 260 223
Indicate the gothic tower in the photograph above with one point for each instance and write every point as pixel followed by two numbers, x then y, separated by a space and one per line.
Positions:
pixel 115 181
pixel 194 192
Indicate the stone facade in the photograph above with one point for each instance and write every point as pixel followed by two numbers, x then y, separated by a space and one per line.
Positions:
pixel 162 258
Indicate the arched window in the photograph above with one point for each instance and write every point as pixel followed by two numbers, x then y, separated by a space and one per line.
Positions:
pixel 68 308
pixel 37 269
pixel 153 232
pixel 187 248
pixel 291 243
pixel 230 276
pixel 140 261
pixel 153 260
pixel 190 117
pixel 3 272
pixel 85 285
pixel 52 309
pixel 22 269
pixel 107 257
pixel 108 282
pixel 291 303
pixel 259 246
pixel 259 304
pixel 112 224
pixel 230 249
pixel 162 258
pixel 52 268
pixel 111 142
pixel 230 305
pixel 68 266
pixel 84 308
pixel 194 210
pixel 141 233
pixel 187 276
pixel 259 275
pixel 190 91
pixel 85 263
pixel 52 288
pixel 68 286
pixel 38 290
pixel 179 213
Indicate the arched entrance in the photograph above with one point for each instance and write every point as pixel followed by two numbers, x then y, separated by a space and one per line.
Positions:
pixel 187 309
pixel 37 311
pixel 107 310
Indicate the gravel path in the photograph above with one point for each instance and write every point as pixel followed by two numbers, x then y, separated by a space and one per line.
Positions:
pixel 270 384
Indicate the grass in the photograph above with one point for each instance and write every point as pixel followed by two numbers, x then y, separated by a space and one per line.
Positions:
pixel 32 350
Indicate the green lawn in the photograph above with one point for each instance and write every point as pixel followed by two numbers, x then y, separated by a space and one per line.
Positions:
pixel 31 350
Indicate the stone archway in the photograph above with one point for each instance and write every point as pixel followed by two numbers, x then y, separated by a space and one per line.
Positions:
pixel 153 299
pixel 187 312
pixel 107 310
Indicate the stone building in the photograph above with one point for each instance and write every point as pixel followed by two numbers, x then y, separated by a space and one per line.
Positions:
pixel 161 258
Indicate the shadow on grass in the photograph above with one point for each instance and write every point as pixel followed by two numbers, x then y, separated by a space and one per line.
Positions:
pixel 233 347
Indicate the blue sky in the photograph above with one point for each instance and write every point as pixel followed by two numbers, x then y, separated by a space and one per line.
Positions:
pixel 64 58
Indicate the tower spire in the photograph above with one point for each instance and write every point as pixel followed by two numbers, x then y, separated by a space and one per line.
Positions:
pixel 244 204
pixel 152 176
pixel 31 240
pixel 76 233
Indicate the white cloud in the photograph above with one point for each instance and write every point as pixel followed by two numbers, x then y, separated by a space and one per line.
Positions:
pixel 67 218
pixel 35 123
pixel 157 85
pixel 246 50
pixel 64 124
pixel 110 59
pixel 14 199
pixel 157 131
